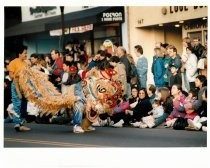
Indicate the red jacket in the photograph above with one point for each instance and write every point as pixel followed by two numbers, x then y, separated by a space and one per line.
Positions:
pixel 58 67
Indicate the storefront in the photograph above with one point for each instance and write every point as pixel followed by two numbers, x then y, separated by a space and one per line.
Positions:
pixel 91 26
pixel 170 24
pixel 41 27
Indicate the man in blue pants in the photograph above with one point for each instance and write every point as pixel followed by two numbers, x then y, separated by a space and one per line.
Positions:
pixel 14 68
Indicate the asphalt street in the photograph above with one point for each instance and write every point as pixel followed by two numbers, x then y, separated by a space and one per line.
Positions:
pixel 50 135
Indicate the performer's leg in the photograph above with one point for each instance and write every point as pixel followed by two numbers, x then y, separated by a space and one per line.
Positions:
pixel 78 110
pixel 86 125
pixel 77 117
pixel 17 106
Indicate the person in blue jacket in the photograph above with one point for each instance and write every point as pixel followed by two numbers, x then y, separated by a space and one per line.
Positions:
pixel 158 68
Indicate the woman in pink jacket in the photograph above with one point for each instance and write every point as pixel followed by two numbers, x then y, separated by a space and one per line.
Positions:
pixel 178 105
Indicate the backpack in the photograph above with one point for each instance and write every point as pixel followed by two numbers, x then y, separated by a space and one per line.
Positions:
pixel 180 123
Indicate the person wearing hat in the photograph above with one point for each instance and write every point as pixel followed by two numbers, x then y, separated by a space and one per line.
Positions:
pixel 74 76
pixel 175 78
pixel 69 77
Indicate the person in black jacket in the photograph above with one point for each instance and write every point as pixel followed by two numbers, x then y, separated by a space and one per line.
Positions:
pixel 142 108
pixel 103 63
pixel 175 78
pixel 198 49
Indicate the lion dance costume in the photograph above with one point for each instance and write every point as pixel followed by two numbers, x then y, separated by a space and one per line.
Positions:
pixel 93 96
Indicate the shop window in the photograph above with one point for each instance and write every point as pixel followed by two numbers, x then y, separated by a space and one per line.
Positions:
pixel 103 32
pixel 205 36
pixel 197 34
pixel 106 30
pixel 202 35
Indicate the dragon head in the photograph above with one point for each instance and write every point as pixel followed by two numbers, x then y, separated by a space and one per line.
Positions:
pixel 102 97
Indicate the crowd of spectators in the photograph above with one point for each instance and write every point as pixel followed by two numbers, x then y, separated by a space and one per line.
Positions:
pixel 178 97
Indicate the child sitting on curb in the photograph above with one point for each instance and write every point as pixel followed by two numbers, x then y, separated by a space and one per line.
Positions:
pixel 198 123
pixel 157 111
pixel 191 98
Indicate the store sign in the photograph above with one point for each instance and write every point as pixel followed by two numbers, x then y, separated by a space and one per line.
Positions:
pixel 58 32
pixel 111 16
pixel 177 9
pixel 81 29
pixel 195 26
pixel 115 14
pixel 40 12
pixel 30 13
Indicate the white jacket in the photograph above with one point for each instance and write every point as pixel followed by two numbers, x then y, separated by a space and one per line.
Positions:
pixel 191 68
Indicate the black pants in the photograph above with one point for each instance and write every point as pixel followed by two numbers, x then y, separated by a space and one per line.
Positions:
pixel 204 123
pixel 137 115
pixel 115 117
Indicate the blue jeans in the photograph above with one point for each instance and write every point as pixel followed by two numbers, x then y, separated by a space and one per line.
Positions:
pixel 78 111
pixel 16 105
pixel 79 105
pixel 161 119
pixel 143 83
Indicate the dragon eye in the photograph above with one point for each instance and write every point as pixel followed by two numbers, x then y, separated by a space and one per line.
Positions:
pixel 101 90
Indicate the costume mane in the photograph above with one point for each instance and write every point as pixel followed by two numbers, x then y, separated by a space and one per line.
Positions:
pixel 37 89
pixel 98 94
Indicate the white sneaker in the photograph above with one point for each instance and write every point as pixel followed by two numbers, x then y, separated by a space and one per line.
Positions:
pixel 96 124
pixel 136 124
pixel 151 125
pixel 100 123
pixel 196 119
pixel 103 122
pixel 110 122
pixel 204 128
pixel 118 124
pixel 202 119
pixel 142 125
pixel 193 124
pixel 78 129
pixel 168 124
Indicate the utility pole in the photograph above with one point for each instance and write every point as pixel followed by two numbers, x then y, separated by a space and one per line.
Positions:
pixel 62 26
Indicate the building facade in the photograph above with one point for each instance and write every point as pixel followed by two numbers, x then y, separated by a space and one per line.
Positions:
pixel 41 27
pixel 166 24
